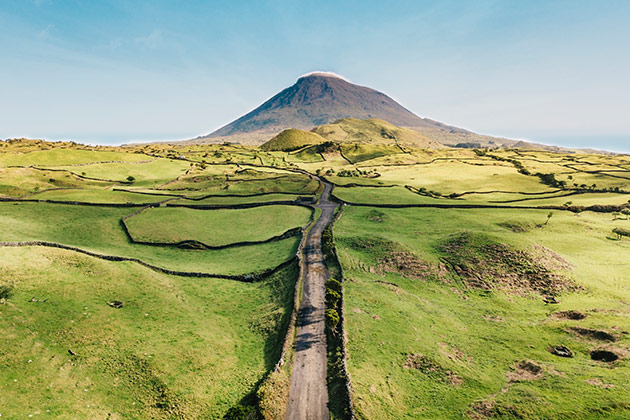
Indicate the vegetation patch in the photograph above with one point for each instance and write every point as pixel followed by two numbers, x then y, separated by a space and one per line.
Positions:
pixel 574 315
pixel 431 368
pixel 604 356
pixel 515 227
pixel 483 263
pixel 592 334
pixel 525 370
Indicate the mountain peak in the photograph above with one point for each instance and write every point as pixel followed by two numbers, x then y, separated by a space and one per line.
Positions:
pixel 315 99
pixel 323 74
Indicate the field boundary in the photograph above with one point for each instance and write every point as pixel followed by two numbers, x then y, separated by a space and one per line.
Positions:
pixel 194 244
pixel 597 208
pixel 245 278
pixel 342 323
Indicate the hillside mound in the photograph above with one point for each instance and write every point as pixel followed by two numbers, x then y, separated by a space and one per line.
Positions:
pixel 483 263
pixel 373 131
pixel 292 139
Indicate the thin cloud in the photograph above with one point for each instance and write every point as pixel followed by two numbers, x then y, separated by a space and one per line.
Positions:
pixel 152 40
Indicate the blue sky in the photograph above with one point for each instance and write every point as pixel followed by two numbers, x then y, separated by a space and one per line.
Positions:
pixel 118 71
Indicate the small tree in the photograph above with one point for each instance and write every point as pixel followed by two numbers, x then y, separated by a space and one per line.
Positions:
pixel 549 217
pixel 131 178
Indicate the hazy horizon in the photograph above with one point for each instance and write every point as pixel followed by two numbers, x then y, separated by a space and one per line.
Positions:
pixel 117 72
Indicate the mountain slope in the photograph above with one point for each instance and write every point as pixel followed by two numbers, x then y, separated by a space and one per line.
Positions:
pixel 321 98
pixel 373 131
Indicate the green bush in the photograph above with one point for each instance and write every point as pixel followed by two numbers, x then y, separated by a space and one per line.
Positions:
pixel 332 298
pixel 334 284
pixel 241 412
pixel 6 292
pixel 621 232
pixel 332 319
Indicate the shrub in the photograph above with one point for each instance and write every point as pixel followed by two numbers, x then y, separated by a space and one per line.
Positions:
pixel 241 412
pixel 334 284
pixel 332 298
pixel 131 178
pixel 6 292
pixel 332 319
pixel 621 232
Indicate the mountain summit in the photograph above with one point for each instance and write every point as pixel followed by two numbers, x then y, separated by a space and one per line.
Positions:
pixel 322 98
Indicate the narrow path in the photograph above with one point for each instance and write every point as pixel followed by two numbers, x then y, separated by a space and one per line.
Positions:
pixel 308 395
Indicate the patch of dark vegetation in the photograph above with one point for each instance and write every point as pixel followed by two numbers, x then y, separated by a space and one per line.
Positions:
pixel 550 300
pixel 515 227
pixel 574 315
pixel 525 370
pixel 391 257
pixel 468 145
pixel 406 264
pixel 6 292
pixel 604 356
pixel 485 264
pixel 375 246
pixel 561 351
pixel 242 412
pixel 376 216
pixel 593 334
pixel 432 369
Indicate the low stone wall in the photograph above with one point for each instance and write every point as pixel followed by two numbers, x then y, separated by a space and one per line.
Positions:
pixel 248 278
pixel 342 323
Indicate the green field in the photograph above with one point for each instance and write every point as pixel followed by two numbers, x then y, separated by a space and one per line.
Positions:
pixel 98 229
pixel 446 308
pixel 179 347
pixel 216 227
pixel 402 302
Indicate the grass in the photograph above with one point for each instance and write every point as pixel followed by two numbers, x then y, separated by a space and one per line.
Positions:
pixel 179 348
pixel 98 196
pixel 150 174
pixel 478 335
pixel 67 156
pixel 17 182
pixel 216 227
pixel 292 139
pixel 98 229
pixel 439 311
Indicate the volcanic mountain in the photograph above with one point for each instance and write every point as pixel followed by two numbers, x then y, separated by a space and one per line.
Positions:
pixel 323 98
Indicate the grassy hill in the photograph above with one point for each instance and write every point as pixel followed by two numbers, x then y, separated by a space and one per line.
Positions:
pixel 292 139
pixel 373 131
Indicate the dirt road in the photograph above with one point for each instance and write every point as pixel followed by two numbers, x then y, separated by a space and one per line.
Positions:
pixel 308 396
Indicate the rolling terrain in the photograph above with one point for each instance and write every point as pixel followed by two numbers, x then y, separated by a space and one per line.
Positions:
pixel 195 281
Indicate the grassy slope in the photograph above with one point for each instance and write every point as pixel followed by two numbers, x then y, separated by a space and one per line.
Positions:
pixel 149 174
pixel 179 348
pixel 493 331
pixel 374 131
pixel 216 227
pixel 67 157
pixel 98 229
pixel 292 139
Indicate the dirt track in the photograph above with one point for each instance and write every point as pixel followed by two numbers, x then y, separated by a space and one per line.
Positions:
pixel 308 396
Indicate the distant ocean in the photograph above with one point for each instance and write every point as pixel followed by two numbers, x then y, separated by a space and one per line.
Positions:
pixel 619 144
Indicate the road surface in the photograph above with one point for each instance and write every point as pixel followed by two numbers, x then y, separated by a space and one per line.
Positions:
pixel 308 395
